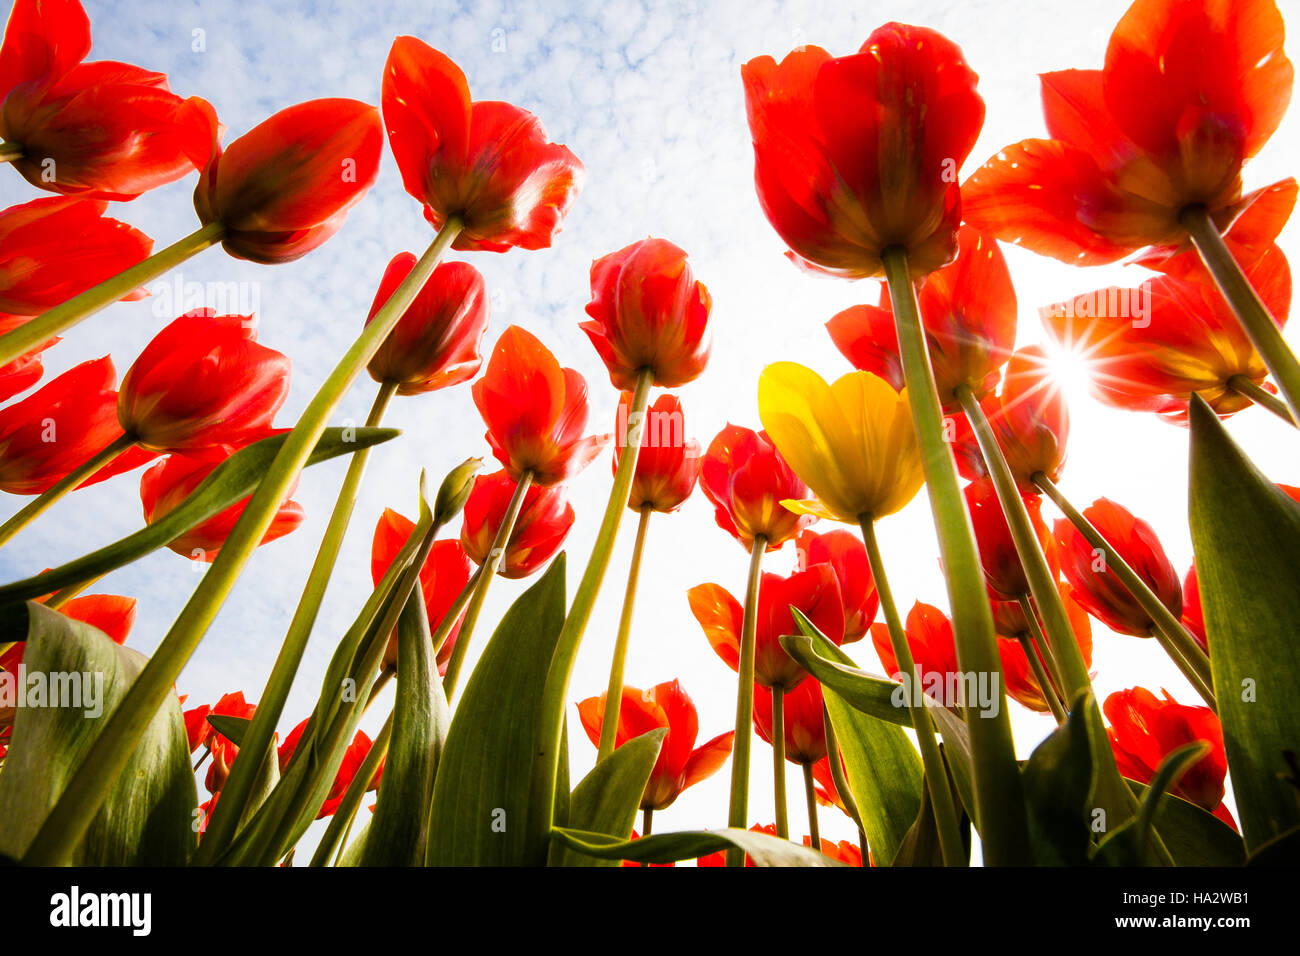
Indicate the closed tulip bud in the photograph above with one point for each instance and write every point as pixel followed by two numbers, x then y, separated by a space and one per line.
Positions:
pixel 847 557
pixel 203 382
pixel 649 312
pixel 934 651
pixel 436 341
pixel 1003 572
pixel 455 490
pixel 284 187
pixel 541 526
pixel 668 463
pixel 748 483
pixel 805 733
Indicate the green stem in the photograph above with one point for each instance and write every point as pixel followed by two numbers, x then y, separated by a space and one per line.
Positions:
pixel 1040 675
pixel 1188 670
pixel 10 152
pixel 440 634
pixel 485 576
pixel 936 776
pixel 62 597
pixel 63 317
pixel 1250 310
pixel 335 835
pixel 1000 805
pixel 810 794
pixel 1264 399
pixel 258 736
pixel 837 775
pixel 1040 641
pixel 738 807
pixel 614 692
pixel 1175 637
pixel 550 731
pixel 647 820
pixel 778 762
pixel 102 765
pixel 69 482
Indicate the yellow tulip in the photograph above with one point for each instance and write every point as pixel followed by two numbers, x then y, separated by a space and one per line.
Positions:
pixel 852 442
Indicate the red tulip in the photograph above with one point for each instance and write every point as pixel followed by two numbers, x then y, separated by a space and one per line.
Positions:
pixel 681 764
pixel 1029 418
pixel 929 635
pixel 1021 681
pixel 203 734
pixel 486 163
pixel 60 427
pixel 1003 572
pixel 747 479
pixel 968 310
pixel 1161 127
pixel 53 249
pixel 649 312
pixel 815 592
pixel 165 486
pixel 668 464
pixel 535 411
pixel 805 733
pixel 99 130
pixel 353 758
pixel 860 153
pixel 202 382
pixel 286 185
pixel 1193 616
pixel 1186 340
pixel 436 341
pixel 445 574
pixel 847 555
pixel 1144 730
pixel 1097 587
pixel 26 370
pixel 111 614
pixel 541 526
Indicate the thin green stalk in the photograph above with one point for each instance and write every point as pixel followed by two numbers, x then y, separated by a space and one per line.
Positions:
pixel 1040 641
pixel 1176 636
pixel 1205 690
pixel 810 794
pixel 258 736
pixel 936 775
pixel 738 807
pixel 60 598
pixel 1264 399
pixel 1245 302
pixel 443 630
pixel 100 768
pixel 778 762
pixel 614 692
pixel 69 482
pixel 1040 675
pixel 335 835
pixel 484 581
pixel 546 762
pixel 63 317
pixel 838 776
pixel 999 798
pixel 647 820
pixel 10 151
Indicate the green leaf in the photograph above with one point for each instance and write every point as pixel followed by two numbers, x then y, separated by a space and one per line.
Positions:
pixel 149 814
pixel 1194 837
pixel 230 727
pixel 352 855
pixel 921 846
pixel 1129 844
pixel 1058 783
pixel 884 773
pixel 764 850
pixel 399 828
pixel 232 481
pixel 1246 535
pixel 607 799
pixel 480 799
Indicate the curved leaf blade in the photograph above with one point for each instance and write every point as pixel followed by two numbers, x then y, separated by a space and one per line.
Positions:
pixel 764 850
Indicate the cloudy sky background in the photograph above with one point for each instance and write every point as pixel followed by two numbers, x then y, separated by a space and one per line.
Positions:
pixel 649 96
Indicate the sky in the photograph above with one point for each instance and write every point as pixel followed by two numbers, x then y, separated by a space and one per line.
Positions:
pixel 648 94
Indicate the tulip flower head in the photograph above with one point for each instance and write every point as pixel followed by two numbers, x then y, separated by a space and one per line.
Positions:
pixel 649 312
pixel 1097 587
pixel 1193 614
pixel 55 248
pixel 668 463
pixel 929 635
pixel 681 764
pixel 353 758
pixel 968 311
pixel 1003 572
pixel 857 154
pixel 541 526
pixel 747 480
pixel 1144 729
pixel 801 708
pixel 202 382
pixel 847 555
pixel 1161 127
pixel 815 592
pixel 1017 671
pixel 487 164
pixel 100 130
pixel 284 187
pixel 852 442
pixel 26 370
pixel 202 734
pixel 436 341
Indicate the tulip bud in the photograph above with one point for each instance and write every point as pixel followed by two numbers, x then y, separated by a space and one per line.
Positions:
pixel 454 491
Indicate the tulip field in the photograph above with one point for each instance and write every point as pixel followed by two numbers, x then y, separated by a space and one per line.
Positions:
pixel 445 718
